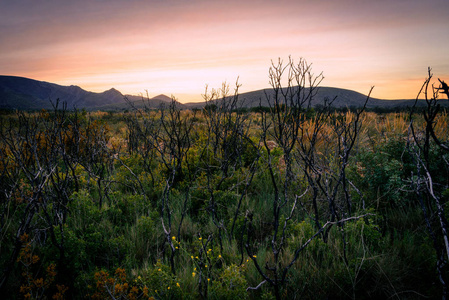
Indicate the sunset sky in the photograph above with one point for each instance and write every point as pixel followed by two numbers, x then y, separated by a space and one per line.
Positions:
pixel 176 47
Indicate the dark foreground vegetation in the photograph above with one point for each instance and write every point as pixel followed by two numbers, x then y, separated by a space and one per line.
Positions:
pixel 288 201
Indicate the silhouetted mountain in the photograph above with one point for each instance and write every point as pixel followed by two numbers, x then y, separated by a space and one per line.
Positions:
pixel 163 98
pixel 154 102
pixel 132 101
pixel 343 98
pixel 28 94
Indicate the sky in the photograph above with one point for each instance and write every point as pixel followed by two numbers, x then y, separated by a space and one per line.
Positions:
pixel 177 47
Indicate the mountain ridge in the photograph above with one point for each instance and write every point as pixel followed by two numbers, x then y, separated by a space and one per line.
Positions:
pixel 28 94
pixel 344 98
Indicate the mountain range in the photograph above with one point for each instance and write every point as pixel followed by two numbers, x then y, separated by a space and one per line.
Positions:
pixel 28 94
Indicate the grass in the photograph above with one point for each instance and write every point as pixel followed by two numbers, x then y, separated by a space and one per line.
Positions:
pixel 388 255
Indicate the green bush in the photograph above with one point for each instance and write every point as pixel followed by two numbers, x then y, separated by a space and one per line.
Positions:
pixel 162 283
pixel 231 284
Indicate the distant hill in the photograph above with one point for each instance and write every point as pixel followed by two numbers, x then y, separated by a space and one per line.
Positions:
pixel 28 94
pixel 344 98
pixel 130 101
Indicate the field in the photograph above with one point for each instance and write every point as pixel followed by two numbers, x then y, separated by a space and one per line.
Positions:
pixel 219 203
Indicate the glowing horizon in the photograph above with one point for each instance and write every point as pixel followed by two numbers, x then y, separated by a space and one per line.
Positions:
pixel 177 48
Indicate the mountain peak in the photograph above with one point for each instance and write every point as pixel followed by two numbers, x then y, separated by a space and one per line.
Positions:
pixel 162 97
pixel 24 93
pixel 112 91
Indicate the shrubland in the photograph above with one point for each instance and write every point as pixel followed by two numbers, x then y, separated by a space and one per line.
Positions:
pixel 222 203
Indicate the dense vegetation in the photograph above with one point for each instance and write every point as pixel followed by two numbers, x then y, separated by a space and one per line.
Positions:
pixel 223 204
